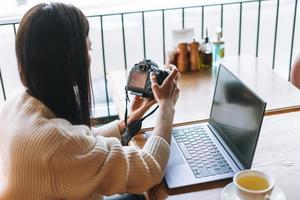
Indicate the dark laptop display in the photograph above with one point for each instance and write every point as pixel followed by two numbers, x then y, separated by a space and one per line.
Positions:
pixel 237 115
pixel 225 145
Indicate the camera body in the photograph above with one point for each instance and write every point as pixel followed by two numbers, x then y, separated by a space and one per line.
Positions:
pixel 139 82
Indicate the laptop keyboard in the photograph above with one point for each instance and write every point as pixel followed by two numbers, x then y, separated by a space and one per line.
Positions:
pixel 201 153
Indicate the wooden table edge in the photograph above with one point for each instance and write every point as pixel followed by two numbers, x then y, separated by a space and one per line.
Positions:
pixel 282 110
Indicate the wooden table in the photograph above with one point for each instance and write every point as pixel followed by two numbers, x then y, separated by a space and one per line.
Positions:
pixel 278 149
pixel 196 90
pixel 277 153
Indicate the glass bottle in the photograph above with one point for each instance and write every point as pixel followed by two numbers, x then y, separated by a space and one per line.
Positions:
pixel 218 48
pixel 206 52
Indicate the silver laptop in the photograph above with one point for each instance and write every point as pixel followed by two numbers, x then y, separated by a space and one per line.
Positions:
pixel 225 144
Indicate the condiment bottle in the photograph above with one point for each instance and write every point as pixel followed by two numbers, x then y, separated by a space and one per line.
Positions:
pixel 182 57
pixel 218 47
pixel 195 62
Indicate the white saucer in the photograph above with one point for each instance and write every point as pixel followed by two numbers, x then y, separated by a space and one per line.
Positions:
pixel 229 193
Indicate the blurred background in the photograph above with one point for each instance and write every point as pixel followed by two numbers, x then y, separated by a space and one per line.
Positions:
pixel 124 31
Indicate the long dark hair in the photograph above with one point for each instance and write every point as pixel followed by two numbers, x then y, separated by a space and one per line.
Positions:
pixel 53 59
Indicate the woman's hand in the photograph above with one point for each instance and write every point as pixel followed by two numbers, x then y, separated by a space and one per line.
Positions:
pixel 168 92
pixel 139 107
pixel 166 95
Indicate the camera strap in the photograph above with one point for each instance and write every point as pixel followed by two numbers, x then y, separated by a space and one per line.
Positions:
pixel 135 126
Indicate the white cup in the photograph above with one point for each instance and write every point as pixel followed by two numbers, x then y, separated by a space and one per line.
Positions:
pixel 247 194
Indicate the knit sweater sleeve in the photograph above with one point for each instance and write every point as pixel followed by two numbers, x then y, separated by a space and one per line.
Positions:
pixel 86 164
pixel 108 130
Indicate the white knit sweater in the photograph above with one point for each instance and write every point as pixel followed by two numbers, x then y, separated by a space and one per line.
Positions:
pixel 48 158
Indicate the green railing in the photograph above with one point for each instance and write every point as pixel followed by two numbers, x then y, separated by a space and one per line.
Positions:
pixel 203 7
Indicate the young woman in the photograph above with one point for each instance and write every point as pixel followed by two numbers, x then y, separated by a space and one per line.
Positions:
pixel 48 148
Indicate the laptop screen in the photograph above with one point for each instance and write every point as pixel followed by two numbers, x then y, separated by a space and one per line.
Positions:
pixel 237 115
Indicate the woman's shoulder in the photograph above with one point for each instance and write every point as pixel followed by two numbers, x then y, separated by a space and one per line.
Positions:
pixel 29 121
pixel 22 103
pixel 11 101
pixel 54 129
pixel 45 138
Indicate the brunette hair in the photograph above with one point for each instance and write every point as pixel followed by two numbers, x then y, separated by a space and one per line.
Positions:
pixel 53 59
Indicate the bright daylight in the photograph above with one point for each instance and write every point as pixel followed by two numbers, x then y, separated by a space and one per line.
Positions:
pixel 149 100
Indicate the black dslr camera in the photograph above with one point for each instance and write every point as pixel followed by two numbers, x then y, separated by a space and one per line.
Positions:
pixel 139 82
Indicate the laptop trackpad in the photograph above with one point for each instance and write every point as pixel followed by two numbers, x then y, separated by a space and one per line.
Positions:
pixel 175 156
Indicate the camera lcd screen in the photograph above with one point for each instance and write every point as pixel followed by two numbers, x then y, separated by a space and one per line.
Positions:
pixel 138 79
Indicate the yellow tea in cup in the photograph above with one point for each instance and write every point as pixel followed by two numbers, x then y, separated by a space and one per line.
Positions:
pixel 253 183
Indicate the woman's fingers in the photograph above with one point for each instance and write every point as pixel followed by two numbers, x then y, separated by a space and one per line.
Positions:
pixel 153 101
pixel 137 99
pixel 174 88
pixel 178 76
pixel 154 84
pixel 150 103
pixel 153 79
pixel 171 76
pixel 175 82
pixel 171 66
pixel 169 89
